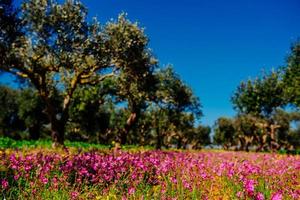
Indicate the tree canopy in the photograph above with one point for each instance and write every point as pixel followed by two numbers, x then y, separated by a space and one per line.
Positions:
pixel 75 65
pixel 261 96
pixel 291 76
pixel 261 104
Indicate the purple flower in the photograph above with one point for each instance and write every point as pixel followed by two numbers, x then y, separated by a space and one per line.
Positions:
pixel 74 195
pixel 249 187
pixel 27 168
pixel 173 180
pixel 44 180
pixel 16 177
pixel 4 184
pixel 131 190
pixel 276 196
pixel 259 196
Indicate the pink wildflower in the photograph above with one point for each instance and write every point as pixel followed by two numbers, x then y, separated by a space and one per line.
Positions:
pixel 249 187
pixel 259 196
pixel 27 168
pixel 44 180
pixel 186 184
pixel 276 196
pixel 173 179
pixel 16 177
pixel 4 183
pixel 239 194
pixel 74 195
pixel 33 191
pixel 14 166
pixel 131 190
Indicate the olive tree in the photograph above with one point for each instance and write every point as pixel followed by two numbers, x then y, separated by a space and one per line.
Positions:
pixel 135 83
pixel 224 132
pixel 291 76
pixel 31 111
pixel 175 108
pixel 10 122
pixel 58 50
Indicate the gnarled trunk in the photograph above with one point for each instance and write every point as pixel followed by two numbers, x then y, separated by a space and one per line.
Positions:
pixel 262 141
pixel 242 143
pixel 57 123
pixel 131 121
pixel 57 133
pixel 159 138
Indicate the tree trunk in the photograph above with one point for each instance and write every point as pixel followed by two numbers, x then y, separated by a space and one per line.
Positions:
pixel 262 141
pixel 242 144
pixel 57 133
pixel 247 146
pixel 34 132
pixel 57 124
pixel 131 121
pixel 159 138
pixel 225 146
pixel 179 143
pixel 273 144
pixel 184 143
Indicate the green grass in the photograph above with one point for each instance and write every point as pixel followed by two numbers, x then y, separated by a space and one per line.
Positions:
pixel 8 143
pixel 293 152
pixel 19 144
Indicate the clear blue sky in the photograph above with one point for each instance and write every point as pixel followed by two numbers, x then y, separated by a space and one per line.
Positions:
pixel 212 44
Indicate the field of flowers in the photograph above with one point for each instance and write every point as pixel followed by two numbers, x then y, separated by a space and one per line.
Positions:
pixel 43 173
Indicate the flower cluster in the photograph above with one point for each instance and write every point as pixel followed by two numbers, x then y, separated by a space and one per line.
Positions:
pixel 164 174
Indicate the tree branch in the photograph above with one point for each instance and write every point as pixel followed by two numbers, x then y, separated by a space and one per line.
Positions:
pixel 97 80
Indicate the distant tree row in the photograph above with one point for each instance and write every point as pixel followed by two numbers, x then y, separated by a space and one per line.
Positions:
pixel 87 81
pixel 98 114
pixel 268 111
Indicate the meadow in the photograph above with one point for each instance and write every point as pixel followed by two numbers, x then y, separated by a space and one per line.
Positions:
pixel 67 76
pixel 99 172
